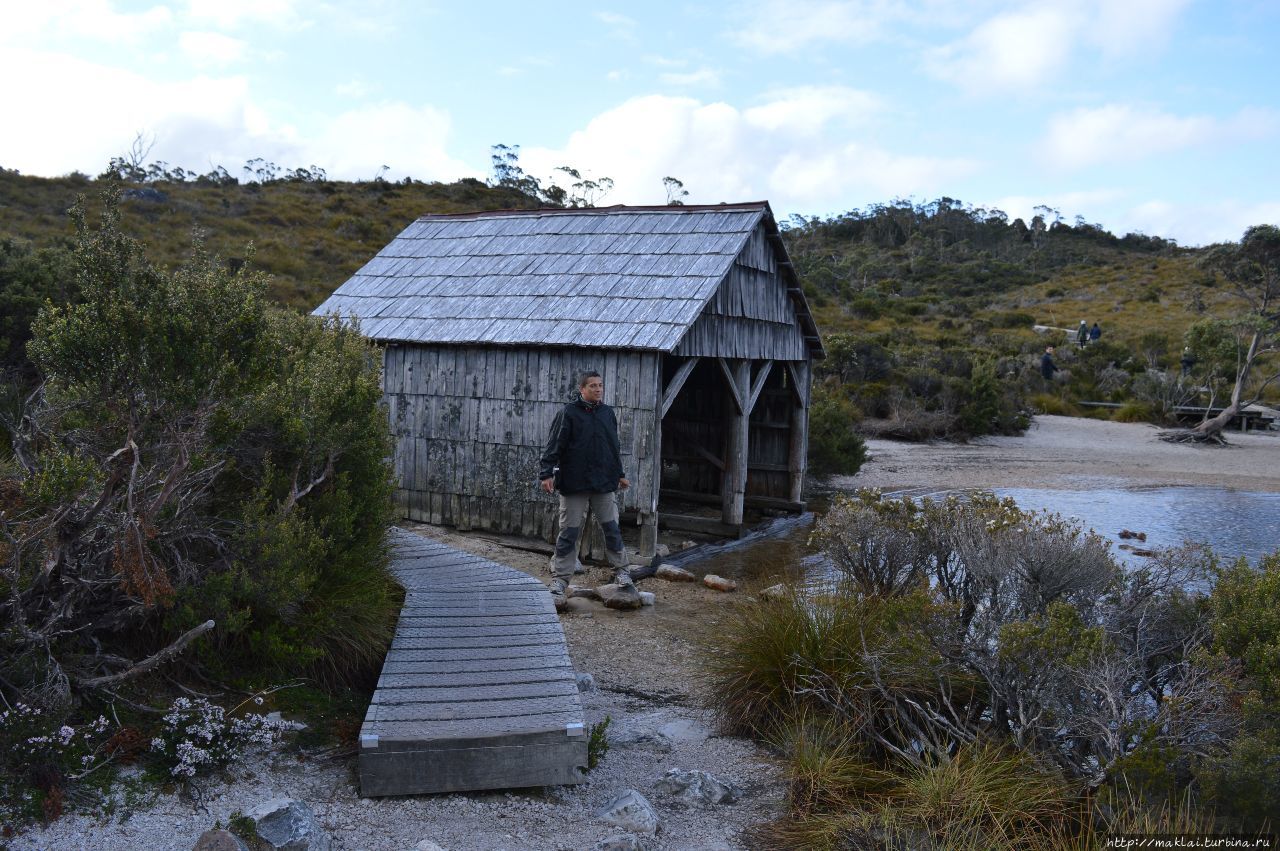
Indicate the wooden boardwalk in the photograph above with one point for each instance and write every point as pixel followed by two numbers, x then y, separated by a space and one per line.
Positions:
pixel 477 691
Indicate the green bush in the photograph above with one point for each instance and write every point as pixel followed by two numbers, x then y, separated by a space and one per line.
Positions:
pixel 210 458
pixel 834 444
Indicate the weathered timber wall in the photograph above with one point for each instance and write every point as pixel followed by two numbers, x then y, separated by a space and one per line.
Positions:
pixel 751 315
pixel 470 424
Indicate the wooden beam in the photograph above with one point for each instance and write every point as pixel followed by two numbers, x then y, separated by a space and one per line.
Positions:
pixel 673 389
pixel 735 459
pixel 799 387
pixel 735 393
pixel 702 451
pixel 705 525
pixel 752 501
pixel 758 386
pixel 798 452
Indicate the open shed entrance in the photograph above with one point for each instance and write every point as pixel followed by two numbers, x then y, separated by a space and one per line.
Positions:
pixel 732 437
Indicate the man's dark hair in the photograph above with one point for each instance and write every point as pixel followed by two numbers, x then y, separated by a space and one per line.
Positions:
pixel 586 376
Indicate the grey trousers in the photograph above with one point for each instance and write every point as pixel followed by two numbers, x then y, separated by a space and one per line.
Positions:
pixel 573 512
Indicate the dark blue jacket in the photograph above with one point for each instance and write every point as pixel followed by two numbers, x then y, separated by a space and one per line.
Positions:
pixel 583 444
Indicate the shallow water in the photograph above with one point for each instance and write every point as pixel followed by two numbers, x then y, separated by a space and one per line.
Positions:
pixel 1234 523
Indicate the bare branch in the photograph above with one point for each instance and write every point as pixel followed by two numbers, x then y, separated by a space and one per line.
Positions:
pixel 151 662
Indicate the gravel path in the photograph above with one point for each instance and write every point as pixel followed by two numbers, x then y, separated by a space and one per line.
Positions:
pixel 1072 453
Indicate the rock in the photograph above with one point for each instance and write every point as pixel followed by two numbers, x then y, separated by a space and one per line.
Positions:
pixel 663 551
pixel 776 592
pixel 631 812
pixel 684 731
pixel 719 583
pixel 560 601
pixel 1127 534
pixel 671 573
pixel 698 788
pixel 647 598
pixel 585 593
pixel 621 842
pixel 623 597
pixel 219 840
pixel 288 824
pixel 687 545
pixel 586 682
pixel 428 845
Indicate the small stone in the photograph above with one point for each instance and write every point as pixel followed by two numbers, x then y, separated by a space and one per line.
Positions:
pixel 687 545
pixel 623 597
pixel 647 598
pixel 219 840
pixel 620 842
pixel 671 573
pixel 586 682
pixel 698 788
pixel 663 550
pixel 719 583
pixel 631 812
pixel 776 592
pixel 428 845
pixel 288 824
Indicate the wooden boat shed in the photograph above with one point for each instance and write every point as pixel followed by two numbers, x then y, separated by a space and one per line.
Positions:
pixel 692 314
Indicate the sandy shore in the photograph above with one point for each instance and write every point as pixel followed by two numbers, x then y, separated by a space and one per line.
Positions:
pixel 1072 453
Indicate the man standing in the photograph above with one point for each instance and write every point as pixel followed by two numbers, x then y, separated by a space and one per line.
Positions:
pixel 1082 334
pixel 583 461
pixel 1047 366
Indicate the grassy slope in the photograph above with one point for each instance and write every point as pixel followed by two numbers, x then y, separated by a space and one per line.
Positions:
pixel 309 236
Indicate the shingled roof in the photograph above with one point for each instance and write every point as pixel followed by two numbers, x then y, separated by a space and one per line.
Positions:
pixel 617 277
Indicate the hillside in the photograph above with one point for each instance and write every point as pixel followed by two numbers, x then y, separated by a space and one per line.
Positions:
pixel 929 310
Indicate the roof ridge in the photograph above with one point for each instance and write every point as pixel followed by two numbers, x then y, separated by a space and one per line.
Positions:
pixel 616 209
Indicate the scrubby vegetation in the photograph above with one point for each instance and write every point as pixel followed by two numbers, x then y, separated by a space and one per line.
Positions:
pixel 196 486
pixel 981 677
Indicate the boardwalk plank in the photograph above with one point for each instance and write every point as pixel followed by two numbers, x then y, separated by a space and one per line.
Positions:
pixel 477 690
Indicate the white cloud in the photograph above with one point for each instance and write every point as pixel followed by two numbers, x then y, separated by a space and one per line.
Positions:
pixel 786 26
pixel 808 109
pixel 1014 50
pixel 353 89
pixel 1198 224
pixel 614 19
pixel 1086 203
pixel 90 19
pixel 723 153
pixel 1122 29
pixel 1121 133
pixel 230 14
pixel 77 120
pixel 411 140
pixel 701 77
pixel 210 49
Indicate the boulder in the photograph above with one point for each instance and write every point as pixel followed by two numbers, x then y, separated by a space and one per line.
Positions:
pixel 621 842
pixel 671 573
pixel 219 840
pixel 287 824
pixel 586 682
pixel 776 592
pixel 631 812
pixel 698 788
pixel 719 583
pixel 622 597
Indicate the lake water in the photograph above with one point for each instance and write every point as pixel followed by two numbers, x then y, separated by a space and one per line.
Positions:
pixel 1234 523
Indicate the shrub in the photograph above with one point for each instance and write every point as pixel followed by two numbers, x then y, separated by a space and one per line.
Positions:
pixel 834 444
pixel 210 462
pixel 1134 412
pixel 196 736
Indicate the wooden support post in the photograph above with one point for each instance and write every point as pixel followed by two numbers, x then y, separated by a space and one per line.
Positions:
pixel 798 455
pixel 735 461
pixel 648 533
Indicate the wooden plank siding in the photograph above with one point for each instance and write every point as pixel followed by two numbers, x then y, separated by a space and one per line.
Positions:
pixel 471 423
pixel 477 690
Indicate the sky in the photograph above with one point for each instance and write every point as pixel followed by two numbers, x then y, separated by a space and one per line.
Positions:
pixel 1152 116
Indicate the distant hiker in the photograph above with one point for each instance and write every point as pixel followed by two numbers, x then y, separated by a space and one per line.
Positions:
pixel 1188 361
pixel 1095 333
pixel 1047 366
pixel 1082 334
pixel 583 461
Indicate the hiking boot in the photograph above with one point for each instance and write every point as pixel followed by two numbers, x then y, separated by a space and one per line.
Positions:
pixel 622 577
pixel 558 587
